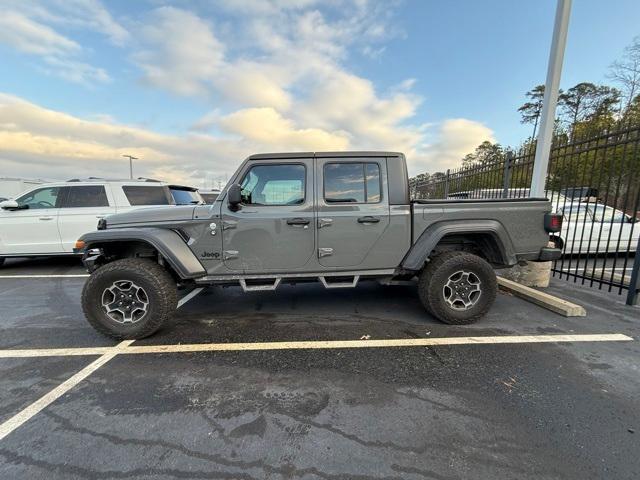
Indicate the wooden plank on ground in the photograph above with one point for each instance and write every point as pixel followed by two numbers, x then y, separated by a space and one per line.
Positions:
pixel 555 304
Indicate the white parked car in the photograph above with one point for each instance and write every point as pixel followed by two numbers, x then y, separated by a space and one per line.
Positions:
pixel 209 196
pixel 596 228
pixel 48 219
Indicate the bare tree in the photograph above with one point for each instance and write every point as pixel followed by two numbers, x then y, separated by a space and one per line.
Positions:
pixel 626 72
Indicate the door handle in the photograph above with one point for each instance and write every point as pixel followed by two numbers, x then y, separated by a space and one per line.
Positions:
pixel 46 218
pixel 298 221
pixel 368 219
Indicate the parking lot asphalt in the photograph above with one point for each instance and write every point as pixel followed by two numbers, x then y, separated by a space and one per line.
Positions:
pixel 537 410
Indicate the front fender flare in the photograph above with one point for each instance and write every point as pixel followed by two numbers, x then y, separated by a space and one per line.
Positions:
pixel 167 242
pixel 420 251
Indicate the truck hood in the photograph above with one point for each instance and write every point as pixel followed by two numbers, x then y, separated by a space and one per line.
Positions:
pixel 151 215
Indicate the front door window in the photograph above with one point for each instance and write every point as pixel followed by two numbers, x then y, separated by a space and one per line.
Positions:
pixel 274 230
pixel 40 198
pixel 274 185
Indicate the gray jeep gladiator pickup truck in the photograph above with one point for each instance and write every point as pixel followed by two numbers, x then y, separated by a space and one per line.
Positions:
pixel 334 217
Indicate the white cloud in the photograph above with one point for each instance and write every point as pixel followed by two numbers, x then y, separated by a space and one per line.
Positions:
pixel 91 15
pixel 276 77
pixel 266 127
pixel 28 36
pixel 453 139
pixel 58 146
pixel 74 71
pixel 78 14
pixel 295 91
pixel 180 52
pixel 33 27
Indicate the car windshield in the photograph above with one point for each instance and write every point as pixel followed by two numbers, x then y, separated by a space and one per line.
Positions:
pixel 576 212
pixel 603 213
pixel 185 197
pixel 209 197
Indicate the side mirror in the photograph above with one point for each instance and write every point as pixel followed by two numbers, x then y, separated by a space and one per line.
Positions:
pixel 234 197
pixel 9 205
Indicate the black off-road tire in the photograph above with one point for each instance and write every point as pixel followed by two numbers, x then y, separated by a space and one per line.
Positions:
pixel 435 276
pixel 159 286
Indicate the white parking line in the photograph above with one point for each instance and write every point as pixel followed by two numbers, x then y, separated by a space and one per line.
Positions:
pixel 125 348
pixel 189 296
pixel 82 275
pixel 14 422
pixel 315 344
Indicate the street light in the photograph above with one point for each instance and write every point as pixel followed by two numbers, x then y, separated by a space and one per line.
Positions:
pixel 131 159
pixel 552 85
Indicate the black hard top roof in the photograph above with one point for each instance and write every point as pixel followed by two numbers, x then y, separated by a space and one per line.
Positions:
pixel 279 156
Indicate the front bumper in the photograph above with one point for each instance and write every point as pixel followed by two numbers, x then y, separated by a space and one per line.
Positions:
pixel 92 259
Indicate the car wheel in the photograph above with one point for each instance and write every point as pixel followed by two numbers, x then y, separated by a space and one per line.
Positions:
pixel 129 298
pixel 457 287
pixel 1 261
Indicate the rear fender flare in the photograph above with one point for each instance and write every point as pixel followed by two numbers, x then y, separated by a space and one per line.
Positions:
pixel 167 242
pixel 433 234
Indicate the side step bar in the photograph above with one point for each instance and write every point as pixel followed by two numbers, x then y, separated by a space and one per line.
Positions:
pixel 262 287
pixel 340 284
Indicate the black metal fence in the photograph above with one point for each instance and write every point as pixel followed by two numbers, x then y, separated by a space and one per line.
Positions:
pixel 594 182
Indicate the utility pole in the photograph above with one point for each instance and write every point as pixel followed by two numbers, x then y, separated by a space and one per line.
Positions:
pixel 131 159
pixel 550 100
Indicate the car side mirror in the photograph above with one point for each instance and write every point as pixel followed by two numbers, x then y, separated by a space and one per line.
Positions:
pixel 9 205
pixel 234 197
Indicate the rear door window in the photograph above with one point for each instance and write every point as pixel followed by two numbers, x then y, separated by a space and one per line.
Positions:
pixel 147 195
pixel 85 196
pixel 352 182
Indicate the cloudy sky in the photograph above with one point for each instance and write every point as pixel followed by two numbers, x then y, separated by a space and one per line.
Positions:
pixel 193 87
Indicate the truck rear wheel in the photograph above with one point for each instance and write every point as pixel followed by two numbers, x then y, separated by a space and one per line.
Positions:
pixel 129 298
pixel 457 287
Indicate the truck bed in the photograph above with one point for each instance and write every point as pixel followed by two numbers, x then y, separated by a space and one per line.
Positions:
pixel 518 222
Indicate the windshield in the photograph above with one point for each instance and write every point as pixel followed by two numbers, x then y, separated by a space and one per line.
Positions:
pixel 186 197
pixel 209 197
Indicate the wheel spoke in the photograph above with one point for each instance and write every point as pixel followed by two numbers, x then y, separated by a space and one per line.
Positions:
pixel 125 302
pixel 462 290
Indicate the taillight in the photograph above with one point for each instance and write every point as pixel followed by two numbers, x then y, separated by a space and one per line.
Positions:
pixel 552 222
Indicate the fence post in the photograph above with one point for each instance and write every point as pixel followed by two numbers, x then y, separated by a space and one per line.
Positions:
pixel 506 176
pixel 446 184
pixel 634 284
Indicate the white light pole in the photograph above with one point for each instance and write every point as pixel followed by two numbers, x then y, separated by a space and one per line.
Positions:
pixel 131 159
pixel 550 100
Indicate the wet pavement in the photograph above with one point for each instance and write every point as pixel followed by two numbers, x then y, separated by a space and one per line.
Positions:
pixel 540 411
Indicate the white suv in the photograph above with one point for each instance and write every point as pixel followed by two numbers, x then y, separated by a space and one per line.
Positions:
pixel 48 219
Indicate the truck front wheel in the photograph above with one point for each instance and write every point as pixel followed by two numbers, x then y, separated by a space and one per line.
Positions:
pixel 457 287
pixel 129 298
